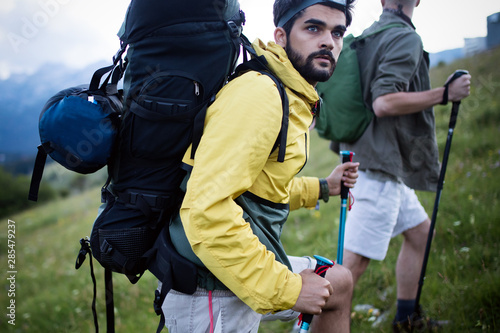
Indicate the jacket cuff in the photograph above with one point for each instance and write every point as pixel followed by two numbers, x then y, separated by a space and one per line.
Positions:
pixel 304 193
pixel 312 193
pixel 291 292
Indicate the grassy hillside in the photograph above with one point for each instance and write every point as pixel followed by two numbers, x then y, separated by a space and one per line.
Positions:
pixel 463 275
pixel 50 295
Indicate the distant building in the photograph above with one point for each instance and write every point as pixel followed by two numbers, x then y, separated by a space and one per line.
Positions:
pixel 493 38
pixel 477 45
pixel 474 46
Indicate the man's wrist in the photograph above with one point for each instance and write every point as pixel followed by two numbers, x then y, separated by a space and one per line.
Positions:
pixel 324 189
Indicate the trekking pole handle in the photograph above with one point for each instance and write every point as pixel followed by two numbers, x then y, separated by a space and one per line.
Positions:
pixel 454 109
pixel 346 156
pixel 322 265
pixel 458 73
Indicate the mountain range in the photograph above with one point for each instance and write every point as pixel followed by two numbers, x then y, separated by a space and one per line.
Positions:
pixel 22 98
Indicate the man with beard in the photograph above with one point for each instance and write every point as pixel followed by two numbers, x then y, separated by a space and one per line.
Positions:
pixel 238 195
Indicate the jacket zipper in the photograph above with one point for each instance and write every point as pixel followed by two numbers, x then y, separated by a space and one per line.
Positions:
pixel 305 139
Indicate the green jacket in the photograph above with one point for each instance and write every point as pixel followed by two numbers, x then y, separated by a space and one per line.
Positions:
pixel 238 195
pixel 403 147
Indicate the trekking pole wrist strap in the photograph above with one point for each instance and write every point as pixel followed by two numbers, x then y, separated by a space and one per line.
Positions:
pixel 445 94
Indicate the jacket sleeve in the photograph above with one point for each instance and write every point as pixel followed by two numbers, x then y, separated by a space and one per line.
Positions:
pixel 398 65
pixel 304 192
pixel 240 130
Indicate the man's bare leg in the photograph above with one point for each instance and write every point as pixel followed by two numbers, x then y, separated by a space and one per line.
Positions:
pixel 336 315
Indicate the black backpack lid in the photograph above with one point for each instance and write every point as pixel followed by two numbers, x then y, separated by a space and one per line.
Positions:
pixel 145 16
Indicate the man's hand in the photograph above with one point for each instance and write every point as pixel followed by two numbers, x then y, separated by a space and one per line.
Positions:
pixel 314 293
pixel 347 173
pixel 459 89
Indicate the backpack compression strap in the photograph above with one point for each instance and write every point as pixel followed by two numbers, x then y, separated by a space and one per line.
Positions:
pixel 36 178
pixel 110 304
pixel 84 250
pixel 108 285
pixel 116 75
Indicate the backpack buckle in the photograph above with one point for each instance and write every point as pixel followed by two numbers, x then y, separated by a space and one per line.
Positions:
pixel 82 254
pixel 106 247
pixel 234 29
pixel 156 302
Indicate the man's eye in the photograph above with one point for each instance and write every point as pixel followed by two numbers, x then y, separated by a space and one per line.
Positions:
pixel 338 33
pixel 312 28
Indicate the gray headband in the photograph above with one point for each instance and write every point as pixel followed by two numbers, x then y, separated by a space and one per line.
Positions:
pixel 308 3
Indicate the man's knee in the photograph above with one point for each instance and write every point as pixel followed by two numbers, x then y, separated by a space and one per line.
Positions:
pixel 418 234
pixel 341 280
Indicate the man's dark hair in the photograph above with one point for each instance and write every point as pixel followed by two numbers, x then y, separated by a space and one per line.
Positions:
pixel 282 6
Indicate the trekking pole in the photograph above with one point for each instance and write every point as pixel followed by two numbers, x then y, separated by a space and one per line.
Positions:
pixel 453 121
pixel 346 156
pixel 322 265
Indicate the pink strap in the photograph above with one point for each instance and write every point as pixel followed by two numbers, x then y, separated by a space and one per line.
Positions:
pixel 210 310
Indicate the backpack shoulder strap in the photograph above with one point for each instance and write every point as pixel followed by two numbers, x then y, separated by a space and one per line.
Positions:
pixel 259 64
pixel 379 30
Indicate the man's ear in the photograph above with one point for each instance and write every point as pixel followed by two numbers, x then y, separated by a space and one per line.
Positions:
pixel 280 37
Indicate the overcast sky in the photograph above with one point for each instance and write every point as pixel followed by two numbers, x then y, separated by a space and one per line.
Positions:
pixel 80 32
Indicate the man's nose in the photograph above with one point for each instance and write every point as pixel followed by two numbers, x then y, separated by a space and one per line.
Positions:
pixel 327 41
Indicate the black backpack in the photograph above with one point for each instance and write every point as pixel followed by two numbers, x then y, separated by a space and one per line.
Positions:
pixel 178 56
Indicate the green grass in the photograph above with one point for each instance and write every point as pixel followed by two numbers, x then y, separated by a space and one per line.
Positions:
pixel 51 296
pixel 463 275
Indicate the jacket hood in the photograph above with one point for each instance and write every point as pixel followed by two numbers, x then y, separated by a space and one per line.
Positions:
pixel 279 63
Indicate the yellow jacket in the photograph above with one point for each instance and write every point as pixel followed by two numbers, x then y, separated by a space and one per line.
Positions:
pixel 238 195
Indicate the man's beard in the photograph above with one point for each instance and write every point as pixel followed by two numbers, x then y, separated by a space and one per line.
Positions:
pixel 306 67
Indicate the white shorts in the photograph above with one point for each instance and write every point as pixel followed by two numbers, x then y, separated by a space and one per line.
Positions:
pixel 383 208
pixel 191 313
